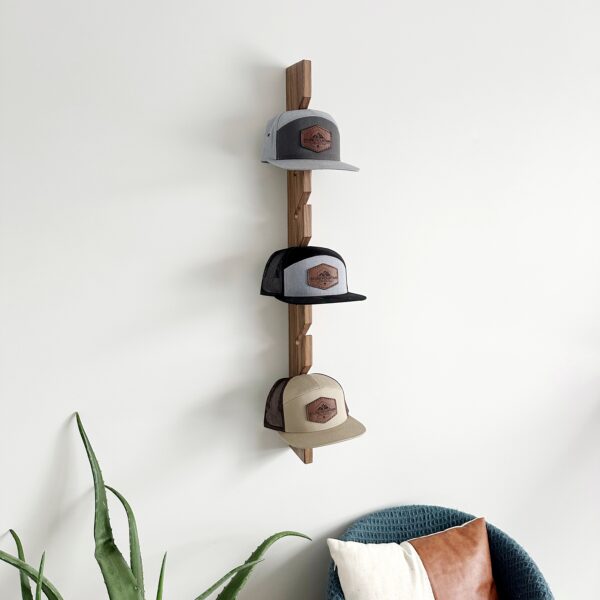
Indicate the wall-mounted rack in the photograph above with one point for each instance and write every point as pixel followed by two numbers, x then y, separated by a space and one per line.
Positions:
pixel 308 410
pixel 298 88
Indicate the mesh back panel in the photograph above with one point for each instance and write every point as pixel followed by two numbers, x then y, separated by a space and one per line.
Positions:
pixel 272 282
pixel 274 407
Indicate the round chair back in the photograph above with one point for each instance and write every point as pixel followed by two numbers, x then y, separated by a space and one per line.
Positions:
pixel 517 577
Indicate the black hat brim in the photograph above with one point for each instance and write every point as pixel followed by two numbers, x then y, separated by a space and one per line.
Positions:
pixel 348 297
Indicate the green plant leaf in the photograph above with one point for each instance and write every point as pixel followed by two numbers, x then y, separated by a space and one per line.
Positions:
pixel 25 583
pixel 51 592
pixel 134 541
pixel 232 589
pixel 215 586
pixel 118 577
pixel 161 578
pixel 38 587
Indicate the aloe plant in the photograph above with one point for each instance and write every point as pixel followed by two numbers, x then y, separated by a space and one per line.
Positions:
pixel 123 580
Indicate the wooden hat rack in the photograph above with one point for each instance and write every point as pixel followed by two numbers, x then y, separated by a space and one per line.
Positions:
pixel 298 90
pixel 299 220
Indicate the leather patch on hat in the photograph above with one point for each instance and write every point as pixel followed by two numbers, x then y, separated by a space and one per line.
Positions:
pixel 322 276
pixel 315 138
pixel 321 410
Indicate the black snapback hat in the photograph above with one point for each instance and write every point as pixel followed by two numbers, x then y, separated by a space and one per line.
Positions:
pixel 307 275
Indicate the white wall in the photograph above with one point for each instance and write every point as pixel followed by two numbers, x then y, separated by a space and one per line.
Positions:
pixel 135 222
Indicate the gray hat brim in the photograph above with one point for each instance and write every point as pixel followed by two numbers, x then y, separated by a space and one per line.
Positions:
pixel 306 164
pixel 349 429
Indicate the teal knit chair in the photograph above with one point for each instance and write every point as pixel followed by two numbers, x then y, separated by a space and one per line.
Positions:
pixel 517 576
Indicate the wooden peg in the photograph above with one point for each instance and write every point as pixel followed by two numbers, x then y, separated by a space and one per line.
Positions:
pixel 298 87
pixel 304 454
pixel 299 211
pixel 300 344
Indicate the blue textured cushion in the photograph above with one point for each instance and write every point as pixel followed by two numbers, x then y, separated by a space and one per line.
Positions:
pixel 517 576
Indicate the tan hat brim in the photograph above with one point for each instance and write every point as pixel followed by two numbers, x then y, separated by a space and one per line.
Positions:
pixel 349 429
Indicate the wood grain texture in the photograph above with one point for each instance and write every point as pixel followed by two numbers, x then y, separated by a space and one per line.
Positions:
pixel 298 85
pixel 299 211
pixel 300 354
pixel 304 454
pixel 298 88
pixel 300 344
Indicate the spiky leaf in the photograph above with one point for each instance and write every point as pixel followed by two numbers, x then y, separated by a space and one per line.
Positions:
pixel 51 592
pixel 161 579
pixel 118 577
pixel 232 589
pixel 215 586
pixel 25 583
pixel 38 587
pixel 134 541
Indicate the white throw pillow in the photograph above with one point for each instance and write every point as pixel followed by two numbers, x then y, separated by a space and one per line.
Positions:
pixel 454 564
pixel 380 571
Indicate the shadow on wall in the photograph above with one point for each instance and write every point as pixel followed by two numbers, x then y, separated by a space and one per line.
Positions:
pixel 307 579
pixel 46 513
pixel 566 480
pixel 260 228
pixel 261 90
pixel 246 228
pixel 227 289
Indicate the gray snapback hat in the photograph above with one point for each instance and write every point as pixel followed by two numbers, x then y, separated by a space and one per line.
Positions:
pixel 303 140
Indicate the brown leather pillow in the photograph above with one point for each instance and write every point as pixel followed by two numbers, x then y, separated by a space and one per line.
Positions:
pixel 458 562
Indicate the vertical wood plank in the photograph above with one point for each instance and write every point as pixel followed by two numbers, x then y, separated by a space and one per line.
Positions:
pixel 298 85
pixel 299 211
pixel 298 88
pixel 300 344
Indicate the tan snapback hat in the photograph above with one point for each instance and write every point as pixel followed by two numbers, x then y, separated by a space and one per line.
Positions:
pixel 310 411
